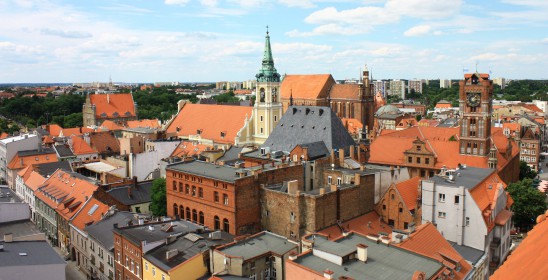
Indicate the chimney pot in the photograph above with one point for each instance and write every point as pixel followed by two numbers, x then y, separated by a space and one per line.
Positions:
pixel 328 274
pixel 361 252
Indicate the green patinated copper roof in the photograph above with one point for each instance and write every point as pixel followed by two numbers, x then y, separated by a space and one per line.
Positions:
pixel 268 72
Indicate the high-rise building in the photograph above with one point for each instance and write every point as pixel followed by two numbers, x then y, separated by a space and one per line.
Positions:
pixel 500 81
pixel 397 87
pixel 415 85
pixel 379 85
pixel 445 83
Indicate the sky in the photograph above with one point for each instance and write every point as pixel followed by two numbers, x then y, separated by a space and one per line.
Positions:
pixel 223 40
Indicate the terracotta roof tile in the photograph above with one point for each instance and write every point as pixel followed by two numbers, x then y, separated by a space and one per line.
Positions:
pixel 344 91
pixel 503 217
pixel 443 105
pixel 427 241
pixel 154 123
pixel 68 132
pixel 4 135
pixel 532 107
pixel 91 212
pixel 211 120
pixel 110 125
pixel 528 260
pixel 306 86
pixel 35 180
pixel 189 149
pixel 409 192
pixel 113 105
pixel 54 129
pixel 104 142
pixel 369 223
pixel 482 75
pixel 80 147
pixel 353 126
pixel 19 162
pixel 47 140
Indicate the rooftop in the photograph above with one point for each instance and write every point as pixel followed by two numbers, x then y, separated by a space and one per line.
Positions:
pixel 101 231
pixel 25 253
pixel 139 194
pixel 7 195
pixel 154 232
pixel 469 177
pixel 19 229
pixel 16 138
pixel 218 172
pixel 257 245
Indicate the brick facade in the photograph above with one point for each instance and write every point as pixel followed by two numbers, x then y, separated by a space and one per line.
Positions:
pixel 127 259
pixel 395 212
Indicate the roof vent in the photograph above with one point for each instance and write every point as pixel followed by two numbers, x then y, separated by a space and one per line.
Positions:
pixel 321 112
pixel 307 111
pixel 171 253
pixel 294 111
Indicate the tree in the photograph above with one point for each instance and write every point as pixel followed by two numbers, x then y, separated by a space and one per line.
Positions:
pixel 525 171
pixel 74 120
pixel 158 204
pixel 529 202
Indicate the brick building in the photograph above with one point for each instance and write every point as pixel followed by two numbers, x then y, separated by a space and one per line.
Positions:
pixel 399 206
pixel 529 145
pixel 222 197
pixel 119 108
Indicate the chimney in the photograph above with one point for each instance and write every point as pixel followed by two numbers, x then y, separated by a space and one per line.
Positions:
pixel 8 237
pixel 171 253
pixel 332 157
pixel 134 181
pixel 129 192
pixel 292 256
pixel 361 252
pixel 108 98
pixel 141 221
pixel 341 157
pixel 292 187
pixel 333 188
pixel 352 151
pixel 322 191
pixel 328 274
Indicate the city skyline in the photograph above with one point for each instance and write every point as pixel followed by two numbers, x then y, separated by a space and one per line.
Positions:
pixel 209 40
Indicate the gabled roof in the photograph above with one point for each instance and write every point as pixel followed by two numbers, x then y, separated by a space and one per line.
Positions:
pixel 532 107
pixel 189 149
pixel 409 192
pixel 80 147
pixel 119 105
pixel 90 213
pixel 153 123
pixel 21 160
pixel 211 121
pixel 353 126
pixel 528 260
pixel 369 223
pixel 142 193
pixel 34 181
pixel 68 132
pixel 306 86
pixel 344 91
pixel 316 150
pixel 54 129
pixel 427 241
pixel 307 124
pixel 104 142
pixel 110 125
pixel 63 151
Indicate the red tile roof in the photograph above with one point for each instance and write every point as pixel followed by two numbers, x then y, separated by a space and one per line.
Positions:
pixel 104 142
pixel 154 123
pixel 80 147
pixel 19 162
pixel 344 91
pixel 110 125
pixel 119 105
pixel 54 129
pixel 369 223
pixel 4 135
pixel 306 86
pixel 528 260
pixel 352 125
pixel 189 149
pixel 443 105
pixel 68 132
pixel 427 241
pixel 211 120
pixel 532 107
pixel 482 75
pixel 409 192
pixel 90 213
pixel 34 180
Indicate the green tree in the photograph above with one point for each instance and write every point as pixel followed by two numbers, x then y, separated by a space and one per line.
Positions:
pixel 158 204
pixel 525 171
pixel 529 202
pixel 73 120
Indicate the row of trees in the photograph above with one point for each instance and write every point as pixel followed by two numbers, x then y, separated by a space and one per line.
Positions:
pixel 529 202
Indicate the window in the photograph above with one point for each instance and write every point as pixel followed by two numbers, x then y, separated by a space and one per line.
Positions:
pixel 174 185
pixel 441 197
pixel 292 217
pixel 146 266
pixel 392 196
pixel 137 269
pixel 201 221
pixel 216 197
pixel 153 271
pixel 253 276
pixel 329 180
pixel 426 161
pixel 467 221
pixel 384 207
pixel 163 277
pixel 401 210
pixel 418 160
pixel 418 148
pixel 188 214
pixel 194 215
pixel 410 159
pixel 225 199
pixel 200 192
pixel 457 199
pixel 216 223
pixel 261 118
pixel 193 190
pixel 441 214
pixel 187 189
pixel 226 225
pixel 275 118
pixel 339 180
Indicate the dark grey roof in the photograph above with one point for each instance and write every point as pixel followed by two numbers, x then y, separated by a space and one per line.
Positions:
pixel 258 245
pixel 140 194
pixel 231 154
pixel 383 262
pixel 46 169
pixel 449 122
pixel 217 172
pixel 63 151
pixel 307 124
pixel 316 150
pixel 18 229
pixel 153 232
pixel 41 131
pixel 469 177
pixel 470 254
pixel 101 231
pixel 36 152
pixel 7 195
pixel 187 248
pixel 37 253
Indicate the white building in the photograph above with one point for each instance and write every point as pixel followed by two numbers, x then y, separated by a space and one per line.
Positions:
pixel 445 83
pixel 10 146
pixel 543 105
pixel 470 207
pixel 397 87
pixel 500 81
pixel 379 85
pixel 25 189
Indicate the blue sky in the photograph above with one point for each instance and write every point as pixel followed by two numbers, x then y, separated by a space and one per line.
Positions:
pixel 213 40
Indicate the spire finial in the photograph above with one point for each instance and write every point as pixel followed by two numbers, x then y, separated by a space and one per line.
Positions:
pixel 267 30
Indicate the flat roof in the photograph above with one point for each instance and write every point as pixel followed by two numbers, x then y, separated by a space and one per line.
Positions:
pixel 25 253
pixel 18 229
pixel 259 244
pixel 17 138
pixel 208 170
pixel 99 167
pixel 468 177
pixel 7 195
pixel 153 232
pixel 383 261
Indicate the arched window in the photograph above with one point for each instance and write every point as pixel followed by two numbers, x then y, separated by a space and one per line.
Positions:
pixel 175 209
pixel 194 215
pixel 201 221
pixel 188 214
pixel 262 95
pixel 217 223
pixel 182 211
pixel 226 225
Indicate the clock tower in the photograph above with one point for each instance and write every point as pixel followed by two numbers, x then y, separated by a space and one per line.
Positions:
pixel 267 109
pixel 476 108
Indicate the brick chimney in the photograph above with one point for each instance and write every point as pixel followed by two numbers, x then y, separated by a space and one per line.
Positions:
pixel 341 157
pixel 352 151
pixel 292 187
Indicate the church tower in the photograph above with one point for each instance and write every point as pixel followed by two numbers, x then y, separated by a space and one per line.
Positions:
pixel 476 108
pixel 367 104
pixel 267 110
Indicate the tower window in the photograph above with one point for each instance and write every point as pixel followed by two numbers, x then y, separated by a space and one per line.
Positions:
pixel 261 118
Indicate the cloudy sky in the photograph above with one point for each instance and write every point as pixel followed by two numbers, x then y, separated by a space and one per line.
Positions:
pixel 211 40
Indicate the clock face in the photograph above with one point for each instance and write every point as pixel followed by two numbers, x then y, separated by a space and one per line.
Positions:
pixel 473 99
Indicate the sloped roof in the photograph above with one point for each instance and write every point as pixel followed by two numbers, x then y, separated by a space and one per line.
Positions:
pixel 54 129
pixel 344 91
pixel 90 213
pixel 80 147
pixel 140 194
pixel 481 75
pixel 528 260
pixel 68 132
pixel 34 181
pixel 307 124
pixel 532 107
pixel 188 149
pixel 119 105
pixel 21 160
pixel 408 191
pixel 352 125
pixel 427 241
pixel 154 123
pixel 104 142
pixel 369 223
pixel 4 135
pixel 110 125
pixel 306 86
pixel 316 149
pixel 63 151
pixel 511 126
pixel 211 120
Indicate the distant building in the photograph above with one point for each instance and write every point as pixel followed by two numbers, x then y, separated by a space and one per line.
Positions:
pixel 445 83
pixel 10 146
pixel 500 82
pixel 119 108
pixel 380 86
pixel 415 85
pixel 399 206
pixel 397 87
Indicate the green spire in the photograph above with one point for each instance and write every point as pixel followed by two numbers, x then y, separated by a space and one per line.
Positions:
pixel 268 72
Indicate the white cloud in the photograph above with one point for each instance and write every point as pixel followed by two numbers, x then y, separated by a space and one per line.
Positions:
pixel 424 9
pixel 209 3
pixel 330 29
pixel 359 16
pixel 418 30
pixel 176 2
pixel 65 33
pixel 298 3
